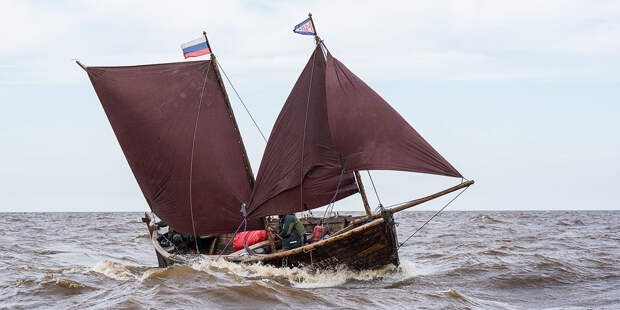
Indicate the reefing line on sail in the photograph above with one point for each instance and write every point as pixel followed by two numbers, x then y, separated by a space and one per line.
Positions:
pixel 303 140
pixel 191 162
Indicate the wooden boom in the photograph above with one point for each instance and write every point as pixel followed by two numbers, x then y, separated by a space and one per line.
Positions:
pixel 416 202
pixel 408 205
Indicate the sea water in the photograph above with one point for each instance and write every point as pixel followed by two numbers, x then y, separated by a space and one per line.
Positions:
pixel 461 260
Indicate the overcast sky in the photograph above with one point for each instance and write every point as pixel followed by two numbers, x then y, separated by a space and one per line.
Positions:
pixel 522 96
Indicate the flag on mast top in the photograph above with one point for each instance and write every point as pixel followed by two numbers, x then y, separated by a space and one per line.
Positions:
pixel 305 28
pixel 196 48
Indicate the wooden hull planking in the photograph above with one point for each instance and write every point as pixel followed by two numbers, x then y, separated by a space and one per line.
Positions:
pixel 368 246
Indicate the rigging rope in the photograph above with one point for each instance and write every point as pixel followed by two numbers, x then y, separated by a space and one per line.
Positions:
pixel 231 239
pixel 244 222
pixel 219 63
pixel 432 217
pixel 373 187
pixel 191 162
pixel 333 201
pixel 303 140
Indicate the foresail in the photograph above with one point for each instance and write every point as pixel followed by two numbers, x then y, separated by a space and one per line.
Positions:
pixel 153 111
pixel 302 123
pixel 369 133
pixel 342 125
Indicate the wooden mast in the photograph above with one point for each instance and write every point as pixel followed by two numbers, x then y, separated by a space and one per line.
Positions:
pixel 360 185
pixel 316 34
pixel 246 161
pixel 358 178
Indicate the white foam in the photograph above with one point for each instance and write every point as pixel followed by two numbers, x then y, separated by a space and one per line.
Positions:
pixel 113 270
pixel 307 278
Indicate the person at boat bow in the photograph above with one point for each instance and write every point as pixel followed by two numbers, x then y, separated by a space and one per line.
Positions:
pixel 292 232
pixel 181 242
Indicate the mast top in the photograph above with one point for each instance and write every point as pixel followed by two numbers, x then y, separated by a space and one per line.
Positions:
pixel 204 33
pixel 80 64
pixel 317 39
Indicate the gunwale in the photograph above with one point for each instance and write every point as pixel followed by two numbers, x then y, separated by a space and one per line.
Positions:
pixel 166 259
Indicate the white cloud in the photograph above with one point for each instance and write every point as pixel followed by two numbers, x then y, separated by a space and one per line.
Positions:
pixel 378 40
pixel 421 39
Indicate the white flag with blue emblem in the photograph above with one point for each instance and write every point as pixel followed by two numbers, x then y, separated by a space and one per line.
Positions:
pixel 305 27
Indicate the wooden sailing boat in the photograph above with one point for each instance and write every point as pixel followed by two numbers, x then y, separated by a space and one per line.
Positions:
pixel 178 132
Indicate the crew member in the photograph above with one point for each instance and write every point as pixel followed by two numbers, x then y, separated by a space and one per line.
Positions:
pixel 180 241
pixel 292 232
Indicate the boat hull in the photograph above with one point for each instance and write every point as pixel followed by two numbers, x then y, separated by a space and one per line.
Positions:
pixel 368 245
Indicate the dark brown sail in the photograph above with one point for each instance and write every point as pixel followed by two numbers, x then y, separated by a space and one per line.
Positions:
pixel 369 134
pixel 347 127
pixel 154 110
pixel 277 186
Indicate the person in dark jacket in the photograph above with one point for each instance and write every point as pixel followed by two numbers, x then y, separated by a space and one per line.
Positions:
pixel 292 232
pixel 180 241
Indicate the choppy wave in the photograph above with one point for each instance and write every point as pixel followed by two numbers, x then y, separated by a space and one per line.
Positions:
pixel 66 283
pixel 304 277
pixel 452 293
pixel 299 277
pixel 178 271
pixel 145 235
pixel 475 260
pixel 487 219
pixel 49 252
pixel 575 222
pixel 116 271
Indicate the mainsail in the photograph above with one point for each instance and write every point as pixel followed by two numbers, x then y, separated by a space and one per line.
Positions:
pixel 342 125
pixel 369 133
pixel 172 123
pixel 302 123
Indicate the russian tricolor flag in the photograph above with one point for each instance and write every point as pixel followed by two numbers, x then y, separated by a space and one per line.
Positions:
pixel 196 48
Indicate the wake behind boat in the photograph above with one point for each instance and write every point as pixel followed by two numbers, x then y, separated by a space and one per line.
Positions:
pixel 178 132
